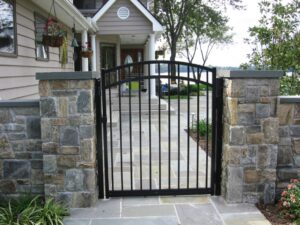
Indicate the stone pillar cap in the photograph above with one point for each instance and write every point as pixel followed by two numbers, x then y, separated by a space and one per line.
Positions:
pixel 68 76
pixel 248 74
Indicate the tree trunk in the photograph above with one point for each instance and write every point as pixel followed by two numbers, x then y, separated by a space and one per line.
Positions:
pixel 172 59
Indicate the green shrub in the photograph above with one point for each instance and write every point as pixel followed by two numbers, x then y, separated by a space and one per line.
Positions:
pixel 203 128
pixel 290 85
pixel 185 90
pixel 289 203
pixel 31 211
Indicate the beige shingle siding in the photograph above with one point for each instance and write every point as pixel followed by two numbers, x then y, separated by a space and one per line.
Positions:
pixel 137 23
pixel 17 75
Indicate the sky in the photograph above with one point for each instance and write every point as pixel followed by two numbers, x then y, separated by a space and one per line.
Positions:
pixel 236 53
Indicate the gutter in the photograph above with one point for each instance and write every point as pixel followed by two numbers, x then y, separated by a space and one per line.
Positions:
pixel 76 14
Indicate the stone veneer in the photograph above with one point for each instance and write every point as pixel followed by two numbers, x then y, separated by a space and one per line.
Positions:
pixel 21 158
pixel 250 139
pixel 68 136
pixel 288 163
pixel 48 146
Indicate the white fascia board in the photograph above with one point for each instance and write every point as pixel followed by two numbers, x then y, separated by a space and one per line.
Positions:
pixel 76 14
pixel 103 10
pixel 93 23
pixel 157 27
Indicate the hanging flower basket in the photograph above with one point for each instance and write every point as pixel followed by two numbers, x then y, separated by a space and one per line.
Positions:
pixel 86 53
pixel 54 33
pixel 53 41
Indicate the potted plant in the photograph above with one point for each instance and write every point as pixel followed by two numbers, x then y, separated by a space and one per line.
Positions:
pixel 54 33
pixel 86 51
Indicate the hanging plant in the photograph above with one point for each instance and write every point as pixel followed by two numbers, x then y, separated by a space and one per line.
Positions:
pixel 54 33
pixel 64 52
pixel 54 30
pixel 86 51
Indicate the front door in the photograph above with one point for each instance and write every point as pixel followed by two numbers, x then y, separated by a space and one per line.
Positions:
pixel 108 57
pixel 129 56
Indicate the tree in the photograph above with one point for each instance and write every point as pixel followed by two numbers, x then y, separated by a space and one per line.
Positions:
pixel 173 14
pixel 276 41
pixel 205 28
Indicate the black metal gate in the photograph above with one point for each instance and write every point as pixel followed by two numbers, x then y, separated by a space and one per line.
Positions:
pixel 168 143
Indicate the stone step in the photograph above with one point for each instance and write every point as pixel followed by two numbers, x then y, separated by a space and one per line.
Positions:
pixel 114 119
pixel 135 107
pixel 135 100
pixel 146 112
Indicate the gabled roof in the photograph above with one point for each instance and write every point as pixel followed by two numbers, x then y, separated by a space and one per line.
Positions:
pixel 157 27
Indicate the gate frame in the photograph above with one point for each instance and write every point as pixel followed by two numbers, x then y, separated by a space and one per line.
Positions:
pixel 101 130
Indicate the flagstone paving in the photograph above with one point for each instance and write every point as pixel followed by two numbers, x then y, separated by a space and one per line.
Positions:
pixel 172 210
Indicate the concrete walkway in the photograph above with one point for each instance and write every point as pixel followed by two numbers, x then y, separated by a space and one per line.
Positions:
pixel 186 210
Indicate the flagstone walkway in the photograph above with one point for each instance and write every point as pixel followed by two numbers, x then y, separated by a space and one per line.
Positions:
pixel 185 210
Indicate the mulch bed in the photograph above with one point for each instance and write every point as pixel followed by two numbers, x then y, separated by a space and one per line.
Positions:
pixel 272 213
pixel 202 143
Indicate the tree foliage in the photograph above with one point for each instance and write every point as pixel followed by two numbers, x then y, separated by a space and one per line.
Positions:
pixel 175 14
pixel 276 41
pixel 204 29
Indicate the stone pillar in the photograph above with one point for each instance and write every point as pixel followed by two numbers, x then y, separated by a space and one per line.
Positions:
pixel 68 137
pixel 84 61
pixel 250 140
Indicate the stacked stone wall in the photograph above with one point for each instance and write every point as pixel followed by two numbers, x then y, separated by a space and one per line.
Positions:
pixel 250 141
pixel 288 164
pixel 68 135
pixel 49 146
pixel 21 157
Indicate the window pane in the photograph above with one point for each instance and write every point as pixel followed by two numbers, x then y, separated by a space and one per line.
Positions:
pixel 85 4
pixel 7 31
pixel 41 50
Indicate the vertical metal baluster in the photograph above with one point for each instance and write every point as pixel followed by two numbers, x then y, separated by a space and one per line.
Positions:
pixel 149 107
pixel 130 131
pixel 140 125
pixel 188 131
pixel 216 133
pixel 169 123
pixel 178 92
pixel 159 125
pixel 99 118
pixel 104 118
pixel 120 127
pixel 207 131
pixel 111 134
pixel 197 124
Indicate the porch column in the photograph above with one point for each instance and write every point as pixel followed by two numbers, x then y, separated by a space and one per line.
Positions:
pixel 84 61
pixel 146 58
pixel 151 45
pixel 93 45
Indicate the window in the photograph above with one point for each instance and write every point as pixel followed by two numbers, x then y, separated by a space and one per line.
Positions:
pixel 7 27
pixel 41 51
pixel 85 4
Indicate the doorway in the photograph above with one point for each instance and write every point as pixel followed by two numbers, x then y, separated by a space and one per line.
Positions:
pixel 108 58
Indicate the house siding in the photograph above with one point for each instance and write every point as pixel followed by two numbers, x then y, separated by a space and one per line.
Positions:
pixel 137 23
pixel 17 74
